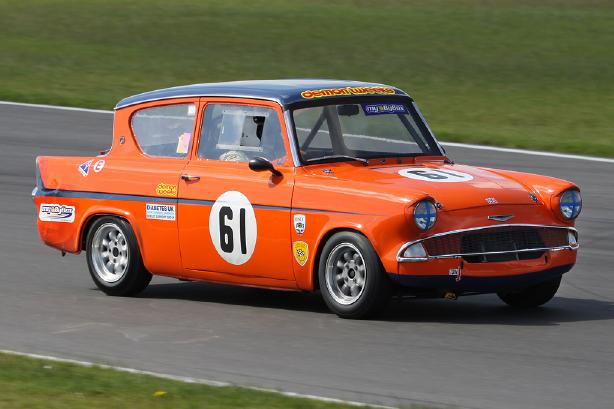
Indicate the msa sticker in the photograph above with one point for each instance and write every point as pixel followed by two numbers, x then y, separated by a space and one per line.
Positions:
pixel 155 211
pixel 435 175
pixel 99 165
pixel 301 252
pixel 84 168
pixel 233 227
pixel 380 109
pixel 299 223
pixel 165 189
pixel 56 213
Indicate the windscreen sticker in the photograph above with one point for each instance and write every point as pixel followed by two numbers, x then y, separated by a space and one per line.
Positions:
pixel 435 175
pixel 84 168
pixel 56 213
pixel 233 227
pixel 159 212
pixel 184 142
pixel 380 109
pixel 334 92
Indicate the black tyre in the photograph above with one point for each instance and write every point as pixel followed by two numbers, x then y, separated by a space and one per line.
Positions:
pixel 352 280
pixel 114 258
pixel 533 296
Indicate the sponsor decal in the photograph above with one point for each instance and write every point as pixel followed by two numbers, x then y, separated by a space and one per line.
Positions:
pixel 155 211
pixel 51 212
pixel 99 165
pixel 166 189
pixel 380 109
pixel 233 227
pixel 333 92
pixel 435 175
pixel 456 272
pixel 491 200
pixel 84 168
pixel 300 221
pixel 301 252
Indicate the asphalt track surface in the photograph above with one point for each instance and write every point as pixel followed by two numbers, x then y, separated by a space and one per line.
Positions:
pixel 473 353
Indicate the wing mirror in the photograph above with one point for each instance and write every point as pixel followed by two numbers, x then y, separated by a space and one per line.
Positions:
pixel 259 164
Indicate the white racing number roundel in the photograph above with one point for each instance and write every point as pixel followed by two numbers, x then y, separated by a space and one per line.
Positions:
pixel 233 228
pixel 435 175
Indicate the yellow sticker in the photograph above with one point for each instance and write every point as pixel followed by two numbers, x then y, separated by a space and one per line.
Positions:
pixel 301 252
pixel 333 92
pixel 166 189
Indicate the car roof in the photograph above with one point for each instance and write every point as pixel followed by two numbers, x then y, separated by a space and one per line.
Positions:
pixel 286 91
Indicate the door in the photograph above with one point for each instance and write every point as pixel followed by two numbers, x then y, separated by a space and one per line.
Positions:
pixel 231 219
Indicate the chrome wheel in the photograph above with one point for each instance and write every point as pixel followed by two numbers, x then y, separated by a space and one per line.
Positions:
pixel 346 273
pixel 110 254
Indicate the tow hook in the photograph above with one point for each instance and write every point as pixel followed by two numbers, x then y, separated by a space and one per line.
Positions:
pixel 449 295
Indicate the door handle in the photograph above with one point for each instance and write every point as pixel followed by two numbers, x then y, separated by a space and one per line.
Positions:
pixel 190 178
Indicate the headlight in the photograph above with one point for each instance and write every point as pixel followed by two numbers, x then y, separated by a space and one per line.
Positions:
pixel 425 214
pixel 570 204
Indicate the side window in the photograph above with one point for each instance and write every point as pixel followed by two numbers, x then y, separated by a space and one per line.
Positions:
pixel 239 133
pixel 164 131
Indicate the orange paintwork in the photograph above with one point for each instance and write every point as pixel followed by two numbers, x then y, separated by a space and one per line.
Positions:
pixel 373 200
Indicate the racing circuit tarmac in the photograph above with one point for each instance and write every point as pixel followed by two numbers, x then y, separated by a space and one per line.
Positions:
pixel 472 353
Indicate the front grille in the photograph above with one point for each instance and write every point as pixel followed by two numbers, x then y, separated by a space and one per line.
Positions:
pixel 513 240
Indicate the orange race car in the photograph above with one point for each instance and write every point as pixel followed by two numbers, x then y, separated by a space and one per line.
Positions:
pixel 303 185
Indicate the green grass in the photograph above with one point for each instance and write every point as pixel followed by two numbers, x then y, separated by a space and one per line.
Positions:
pixel 38 384
pixel 523 73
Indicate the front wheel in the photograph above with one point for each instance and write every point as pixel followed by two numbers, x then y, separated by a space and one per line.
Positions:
pixel 114 259
pixel 533 296
pixel 352 280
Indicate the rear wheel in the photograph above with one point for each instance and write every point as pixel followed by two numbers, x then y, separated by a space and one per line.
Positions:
pixel 352 280
pixel 533 296
pixel 114 259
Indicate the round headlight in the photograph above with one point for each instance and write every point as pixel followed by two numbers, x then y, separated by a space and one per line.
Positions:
pixel 571 204
pixel 425 214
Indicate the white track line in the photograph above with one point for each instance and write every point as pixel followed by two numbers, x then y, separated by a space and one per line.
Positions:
pixel 453 144
pixel 528 152
pixel 188 379
pixel 24 104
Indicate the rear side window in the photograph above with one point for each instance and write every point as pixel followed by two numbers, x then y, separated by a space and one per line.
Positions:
pixel 165 131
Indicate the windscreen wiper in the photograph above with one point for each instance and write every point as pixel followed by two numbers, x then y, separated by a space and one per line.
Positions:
pixel 347 157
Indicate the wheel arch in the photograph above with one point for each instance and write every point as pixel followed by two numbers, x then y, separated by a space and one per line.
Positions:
pixel 314 276
pixel 95 215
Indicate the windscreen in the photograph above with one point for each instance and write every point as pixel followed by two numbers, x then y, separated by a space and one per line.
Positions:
pixel 362 130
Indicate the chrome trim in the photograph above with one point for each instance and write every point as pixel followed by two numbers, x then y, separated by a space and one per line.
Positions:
pixel 292 140
pixel 402 259
pixel 198 95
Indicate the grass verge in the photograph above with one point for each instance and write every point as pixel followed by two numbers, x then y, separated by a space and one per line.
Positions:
pixel 520 73
pixel 35 383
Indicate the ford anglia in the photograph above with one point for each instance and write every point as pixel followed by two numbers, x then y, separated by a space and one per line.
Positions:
pixel 304 185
